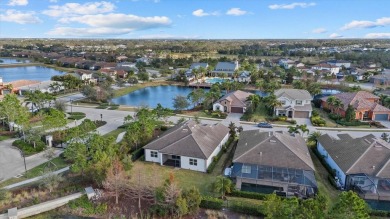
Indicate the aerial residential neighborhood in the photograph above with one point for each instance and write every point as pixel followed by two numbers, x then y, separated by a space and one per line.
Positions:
pixel 194 109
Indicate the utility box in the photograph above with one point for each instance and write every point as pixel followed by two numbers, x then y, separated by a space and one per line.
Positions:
pixel 49 140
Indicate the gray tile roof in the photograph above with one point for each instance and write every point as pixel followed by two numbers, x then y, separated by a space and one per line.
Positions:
pixel 294 94
pixel 198 65
pixel 273 149
pixel 226 66
pixel 190 139
pixel 366 154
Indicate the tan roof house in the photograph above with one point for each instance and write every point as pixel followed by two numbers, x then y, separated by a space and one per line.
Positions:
pixel 269 161
pixel 295 103
pixel 360 164
pixel 233 102
pixel 188 145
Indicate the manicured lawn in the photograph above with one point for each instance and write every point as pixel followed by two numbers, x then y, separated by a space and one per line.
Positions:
pixel 4 137
pixel 324 115
pixel 258 116
pixel 115 132
pixel 185 178
pixel 36 171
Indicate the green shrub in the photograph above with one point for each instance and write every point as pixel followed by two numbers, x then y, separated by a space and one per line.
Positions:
pixel 332 181
pixel 282 118
pixel 331 171
pixel 352 123
pixel 158 210
pixel 101 107
pixel 163 128
pixel 317 121
pixel 334 116
pixel 315 113
pixel 88 207
pixel 216 158
pixel 251 195
pixel 211 203
pixel 28 148
pixel 113 108
pixel 292 121
pixel 380 213
pixel 137 154
pixel 246 208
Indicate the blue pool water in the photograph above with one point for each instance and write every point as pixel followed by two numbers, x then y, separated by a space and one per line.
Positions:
pixel 216 80
pixel 38 73
pixel 151 96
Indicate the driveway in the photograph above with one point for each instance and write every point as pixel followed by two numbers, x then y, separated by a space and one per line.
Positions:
pixel 232 117
pixel 11 161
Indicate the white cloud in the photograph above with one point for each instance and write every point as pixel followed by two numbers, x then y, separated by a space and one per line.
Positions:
pixel 384 21
pixel 74 9
pixel 20 17
pixel 292 5
pixel 236 12
pixel 319 30
pixel 18 2
pixel 119 21
pixel 108 24
pixel 335 35
pixel 202 13
pixel 377 35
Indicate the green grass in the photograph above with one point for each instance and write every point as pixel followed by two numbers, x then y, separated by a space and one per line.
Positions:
pixel 36 171
pixel 76 115
pixel 4 137
pixel 258 116
pixel 115 133
pixel 324 115
pixel 324 186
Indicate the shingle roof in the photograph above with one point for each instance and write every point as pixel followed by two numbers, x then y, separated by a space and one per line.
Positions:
pixel 273 149
pixel 236 98
pixel 366 154
pixel 190 139
pixel 198 65
pixel 295 94
pixel 226 66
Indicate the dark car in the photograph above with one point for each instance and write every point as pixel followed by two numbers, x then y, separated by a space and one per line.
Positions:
pixel 264 125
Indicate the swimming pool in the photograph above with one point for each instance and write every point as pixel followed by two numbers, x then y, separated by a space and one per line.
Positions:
pixel 215 80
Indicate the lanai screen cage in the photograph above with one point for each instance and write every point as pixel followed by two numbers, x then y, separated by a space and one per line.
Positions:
pixel 369 187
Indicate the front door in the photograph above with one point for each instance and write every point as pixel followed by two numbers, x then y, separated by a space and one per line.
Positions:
pixel 290 114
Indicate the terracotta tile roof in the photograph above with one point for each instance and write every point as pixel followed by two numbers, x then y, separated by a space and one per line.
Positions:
pixel 21 83
pixel 236 98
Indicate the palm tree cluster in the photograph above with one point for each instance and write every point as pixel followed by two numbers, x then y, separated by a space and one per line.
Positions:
pixel 334 104
pixel 298 129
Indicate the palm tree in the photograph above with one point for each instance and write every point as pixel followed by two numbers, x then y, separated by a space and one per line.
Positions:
pixel 330 102
pixel 223 185
pixel 338 105
pixel 236 74
pixel 227 86
pixel 386 102
pixel 254 100
pixel 232 129
pixel 271 103
pixel 304 129
pixel 314 136
pixel 293 129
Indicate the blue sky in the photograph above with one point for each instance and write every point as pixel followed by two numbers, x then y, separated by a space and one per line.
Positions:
pixel 195 19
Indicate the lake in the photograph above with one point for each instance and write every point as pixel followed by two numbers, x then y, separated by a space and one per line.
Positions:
pixel 38 73
pixel 5 61
pixel 151 96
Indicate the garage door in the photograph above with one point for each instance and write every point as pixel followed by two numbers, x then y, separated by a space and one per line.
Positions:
pixel 236 110
pixel 381 117
pixel 301 114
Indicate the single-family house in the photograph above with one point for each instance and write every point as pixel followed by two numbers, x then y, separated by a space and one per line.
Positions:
pixel 273 161
pixel 295 103
pixel 380 79
pixel 121 73
pixel 197 65
pixel 366 105
pixel 339 63
pixel 361 164
pixel 333 70
pixel 244 76
pixel 358 73
pixel 84 75
pixel 226 67
pixel 286 63
pixel 188 145
pixel 233 102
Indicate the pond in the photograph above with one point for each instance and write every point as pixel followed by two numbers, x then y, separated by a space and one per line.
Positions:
pixel 151 96
pixel 5 61
pixel 327 92
pixel 38 73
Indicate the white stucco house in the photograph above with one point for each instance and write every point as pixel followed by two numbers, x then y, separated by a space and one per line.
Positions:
pixel 188 145
pixel 360 164
pixel 295 103
pixel 339 63
pixel 327 67
pixel 233 102
pixel 286 63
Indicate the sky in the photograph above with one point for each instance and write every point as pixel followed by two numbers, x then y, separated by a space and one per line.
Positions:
pixel 195 19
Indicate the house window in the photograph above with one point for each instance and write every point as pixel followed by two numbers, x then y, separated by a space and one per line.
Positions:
pixel 299 102
pixel 153 154
pixel 359 180
pixel 193 162
pixel 175 157
pixel 283 102
pixel 246 169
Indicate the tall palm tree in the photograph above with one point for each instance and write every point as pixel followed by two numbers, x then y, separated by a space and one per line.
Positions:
pixel 330 102
pixel 254 100
pixel 338 105
pixel 271 103
pixel 314 136
pixel 222 185
pixel 304 129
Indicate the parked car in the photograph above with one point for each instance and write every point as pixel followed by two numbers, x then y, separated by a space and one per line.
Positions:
pixel 264 125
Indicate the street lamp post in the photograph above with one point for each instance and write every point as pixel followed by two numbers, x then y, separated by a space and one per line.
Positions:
pixel 24 159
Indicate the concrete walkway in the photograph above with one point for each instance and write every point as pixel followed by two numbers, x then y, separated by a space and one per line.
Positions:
pixel 26 182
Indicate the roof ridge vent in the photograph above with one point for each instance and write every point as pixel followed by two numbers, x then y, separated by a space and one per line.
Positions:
pixel 366 140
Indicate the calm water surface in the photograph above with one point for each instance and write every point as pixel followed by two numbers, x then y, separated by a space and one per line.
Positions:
pixel 4 61
pixel 38 73
pixel 151 96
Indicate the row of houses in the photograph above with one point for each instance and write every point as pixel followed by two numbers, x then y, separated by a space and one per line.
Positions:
pixel 277 161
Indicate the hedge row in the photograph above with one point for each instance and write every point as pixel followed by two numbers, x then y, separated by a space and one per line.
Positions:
pixel 331 171
pixel 137 154
pixel 211 203
pixel 216 158
pixel 251 195
pixel 317 121
pixel 380 213
pixel 245 208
